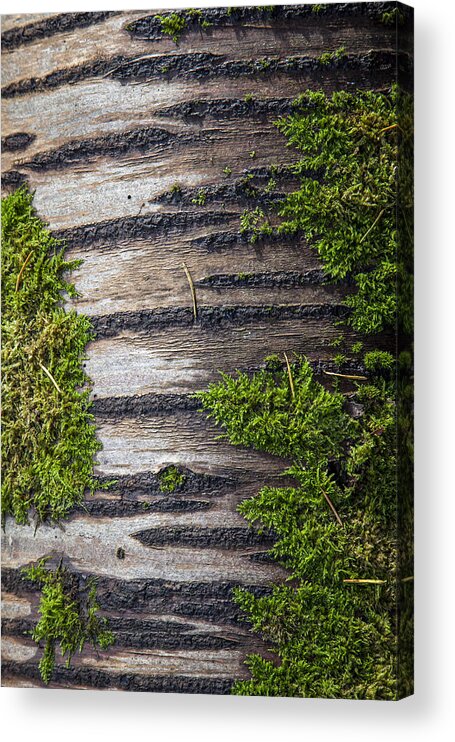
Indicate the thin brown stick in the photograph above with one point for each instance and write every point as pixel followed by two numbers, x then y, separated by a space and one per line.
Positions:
pixel 48 373
pixel 388 128
pixel 291 380
pixel 366 582
pixel 372 226
pixel 24 265
pixel 408 579
pixel 346 376
pixel 332 508
pixel 192 289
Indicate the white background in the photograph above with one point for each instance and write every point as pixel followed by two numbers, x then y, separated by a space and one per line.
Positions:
pixel 88 715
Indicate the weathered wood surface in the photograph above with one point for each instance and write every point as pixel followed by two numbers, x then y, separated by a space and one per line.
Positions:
pixel 106 132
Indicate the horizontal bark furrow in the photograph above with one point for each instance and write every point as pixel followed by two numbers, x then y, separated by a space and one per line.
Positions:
pixel 140 227
pixel 13 179
pixel 53 24
pixel 372 69
pixel 142 633
pixel 149 27
pixel 269 279
pixel 222 109
pixel 87 677
pixel 127 507
pixel 18 141
pixel 111 145
pixel 148 483
pixel 146 404
pixel 190 600
pixel 208 317
pixel 206 538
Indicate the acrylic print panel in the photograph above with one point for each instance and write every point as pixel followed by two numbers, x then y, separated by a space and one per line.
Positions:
pixel 207 466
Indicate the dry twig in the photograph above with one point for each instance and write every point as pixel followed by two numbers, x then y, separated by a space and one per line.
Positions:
pixel 332 507
pixel 48 373
pixel 192 289
pixel 24 265
pixel 346 376
pixel 366 582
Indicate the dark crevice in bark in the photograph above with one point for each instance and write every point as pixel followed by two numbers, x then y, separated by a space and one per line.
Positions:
pixel 371 69
pixel 53 24
pixel 201 538
pixel 209 317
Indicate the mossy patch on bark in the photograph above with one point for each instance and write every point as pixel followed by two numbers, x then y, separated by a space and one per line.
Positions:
pixel 332 624
pixel 351 145
pixel 48 437
pixel 69 617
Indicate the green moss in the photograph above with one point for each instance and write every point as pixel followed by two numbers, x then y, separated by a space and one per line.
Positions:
pixel 260 411
pixel 330 638
pixel 271 185
pixel 341 624
pixel 248 98
pixel 68 617
pixel 173 25
pixel 377 360
pixel 171 478
pixel 200 198
pixel 357 347
pixel 339 359
pixel 254 223
pixel 346 205
pixel 246 183
pixel 227 171
pixel 176 23
pixel 48 439
pixel 194 14
pixel 329 57
pixel 394 17
pixel 264 63
pixel 338 341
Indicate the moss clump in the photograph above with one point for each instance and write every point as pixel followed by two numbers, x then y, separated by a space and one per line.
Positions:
pixel 176 23
pixel 331 637
pixel 357 347
pixel 68 617
pixel 200 198
pixel 48 441
pixel 346 204
pixel 329 57
pixel 171 478
pixel 254 221
pixel 394 17
pixel 341 624
pixel 176 189
pixel 378 360
pixel 339 359
pixel 173 25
